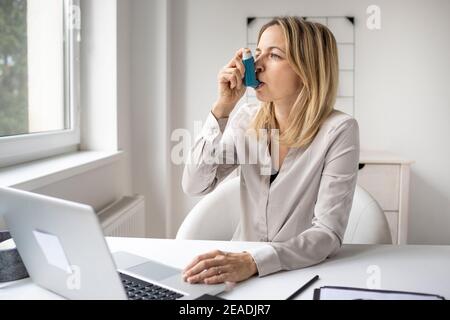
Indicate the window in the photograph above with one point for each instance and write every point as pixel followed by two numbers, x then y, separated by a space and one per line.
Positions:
pixel 39 78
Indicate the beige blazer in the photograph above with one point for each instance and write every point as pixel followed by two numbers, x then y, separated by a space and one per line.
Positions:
pixel 303 214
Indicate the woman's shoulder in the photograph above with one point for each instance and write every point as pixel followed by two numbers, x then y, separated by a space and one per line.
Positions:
pixel 243 115
pixel 339 121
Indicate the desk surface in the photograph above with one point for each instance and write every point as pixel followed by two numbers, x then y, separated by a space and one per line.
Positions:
pixel 409 268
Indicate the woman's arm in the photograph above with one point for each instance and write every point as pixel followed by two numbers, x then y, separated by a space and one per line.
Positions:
pixel 331 211
pixel 211 159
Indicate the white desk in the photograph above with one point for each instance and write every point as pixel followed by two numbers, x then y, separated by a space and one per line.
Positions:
pixel 410 268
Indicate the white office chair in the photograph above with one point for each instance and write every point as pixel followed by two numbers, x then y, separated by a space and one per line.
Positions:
pixel 215 217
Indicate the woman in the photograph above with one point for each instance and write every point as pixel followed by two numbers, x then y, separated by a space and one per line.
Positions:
pixel 301 210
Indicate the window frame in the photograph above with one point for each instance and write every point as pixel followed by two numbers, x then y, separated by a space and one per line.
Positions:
pixel 28 147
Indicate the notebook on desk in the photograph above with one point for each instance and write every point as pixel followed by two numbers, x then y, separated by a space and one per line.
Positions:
pixel 348 293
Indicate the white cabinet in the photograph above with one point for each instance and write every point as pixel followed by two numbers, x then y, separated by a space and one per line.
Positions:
pixel 386 177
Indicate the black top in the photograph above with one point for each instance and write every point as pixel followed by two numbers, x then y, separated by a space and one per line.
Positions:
pixel 273 176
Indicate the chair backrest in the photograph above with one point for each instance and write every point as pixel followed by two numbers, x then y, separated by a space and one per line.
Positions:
pixel 216 216
pixel 367 223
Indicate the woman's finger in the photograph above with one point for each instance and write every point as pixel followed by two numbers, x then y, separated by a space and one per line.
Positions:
pixel 233 81
pixel 226 78
pixel 238 55
pixel 233 71
pixel 238 80
pixel 211 272
pixel 238 76
pixel 219 278
pixel 201 266
pixel 201 257
pixel 234 77
pixel 240 66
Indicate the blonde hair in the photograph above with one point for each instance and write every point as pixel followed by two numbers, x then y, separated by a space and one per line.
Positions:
pixel 312 53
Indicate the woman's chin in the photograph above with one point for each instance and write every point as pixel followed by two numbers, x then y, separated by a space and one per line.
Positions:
pixel 263 100
pixel 261 97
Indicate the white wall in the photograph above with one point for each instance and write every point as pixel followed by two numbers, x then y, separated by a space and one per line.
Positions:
pixel 99 75
pixel 149 112
pixel 97 188
pixel 403 105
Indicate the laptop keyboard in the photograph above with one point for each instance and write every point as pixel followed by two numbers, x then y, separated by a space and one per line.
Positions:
pixel 141 290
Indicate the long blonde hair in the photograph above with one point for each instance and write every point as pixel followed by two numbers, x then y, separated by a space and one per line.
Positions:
pixel 312 53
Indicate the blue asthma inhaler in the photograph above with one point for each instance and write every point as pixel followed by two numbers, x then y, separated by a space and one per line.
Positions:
pixel 250 74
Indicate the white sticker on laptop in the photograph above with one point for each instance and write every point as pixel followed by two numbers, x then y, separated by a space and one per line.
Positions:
pixel 52 249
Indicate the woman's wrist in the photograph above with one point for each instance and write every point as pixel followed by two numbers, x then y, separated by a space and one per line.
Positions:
pixel 252 264
pixel 221 111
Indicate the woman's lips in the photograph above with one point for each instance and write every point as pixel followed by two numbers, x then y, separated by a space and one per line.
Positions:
pixel 261 84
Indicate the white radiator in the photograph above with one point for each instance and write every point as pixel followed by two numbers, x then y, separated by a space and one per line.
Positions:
pixel 124 218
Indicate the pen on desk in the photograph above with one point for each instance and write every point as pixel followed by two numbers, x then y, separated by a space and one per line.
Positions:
pixel 303 288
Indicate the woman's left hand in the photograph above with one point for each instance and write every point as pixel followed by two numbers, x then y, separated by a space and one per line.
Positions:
pixel 218 267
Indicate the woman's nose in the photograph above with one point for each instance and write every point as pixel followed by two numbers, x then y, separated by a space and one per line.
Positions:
pixel 258 66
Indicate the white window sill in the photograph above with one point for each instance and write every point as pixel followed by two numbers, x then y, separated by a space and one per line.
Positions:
pixel 36 174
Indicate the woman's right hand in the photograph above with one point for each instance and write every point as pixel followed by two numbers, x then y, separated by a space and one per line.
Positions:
pixel 230 86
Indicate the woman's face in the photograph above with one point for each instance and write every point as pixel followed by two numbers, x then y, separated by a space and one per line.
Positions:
pixel 280 83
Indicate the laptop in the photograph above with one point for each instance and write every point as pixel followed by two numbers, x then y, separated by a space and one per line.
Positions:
pixel 63 248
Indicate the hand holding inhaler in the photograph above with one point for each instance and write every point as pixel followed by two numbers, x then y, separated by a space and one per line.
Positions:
pixel 233 80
